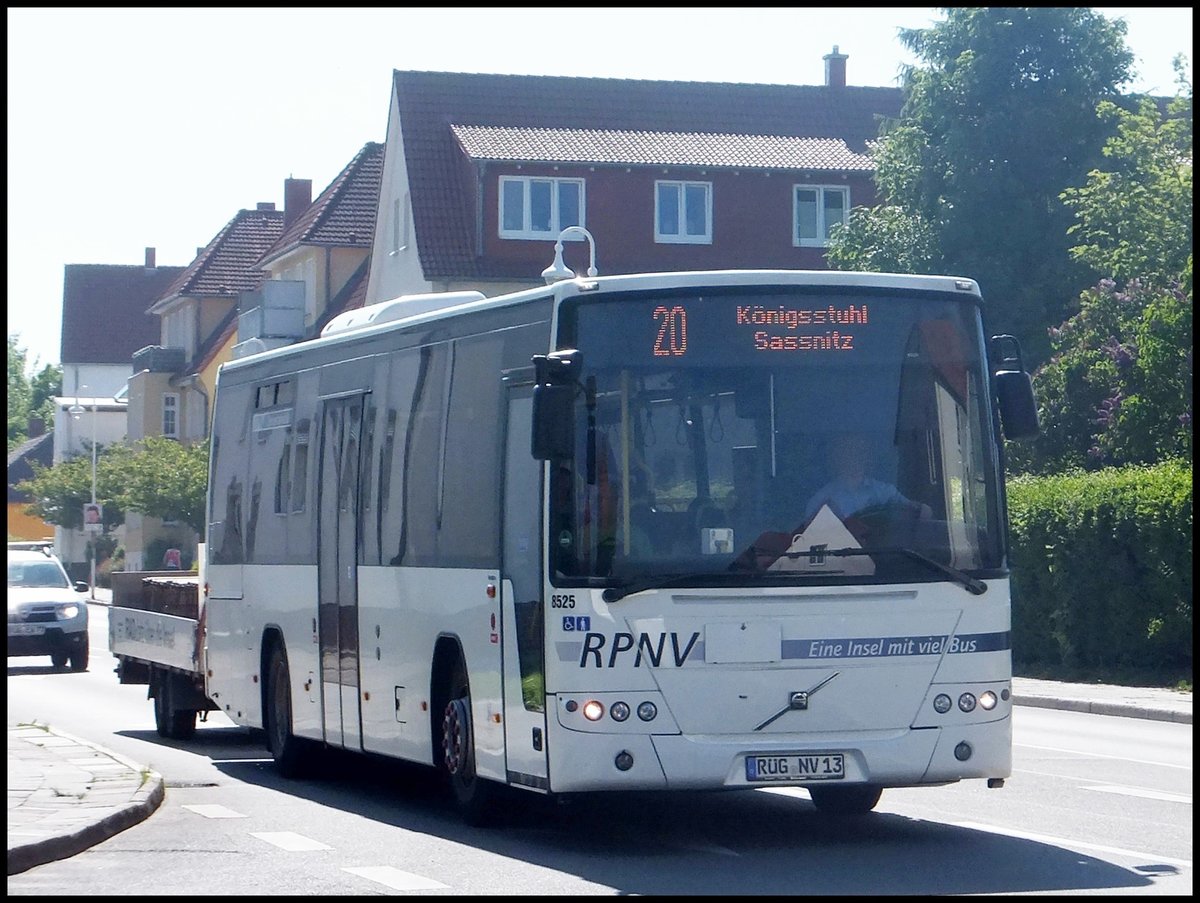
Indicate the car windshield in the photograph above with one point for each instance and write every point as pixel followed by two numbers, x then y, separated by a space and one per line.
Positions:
pixel 36 573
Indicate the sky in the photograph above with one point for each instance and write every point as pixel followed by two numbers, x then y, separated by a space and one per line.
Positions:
pixel 137 128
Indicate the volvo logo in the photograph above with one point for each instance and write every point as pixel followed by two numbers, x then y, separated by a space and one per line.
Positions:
pixel 798 700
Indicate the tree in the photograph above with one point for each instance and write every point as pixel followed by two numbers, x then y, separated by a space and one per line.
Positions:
pixel 28 398
pixel 59 493
pixel 1134 214
pixel 162 478
pixel 155 476
pixel 999 121
pixel 884 240
pixel 1118 389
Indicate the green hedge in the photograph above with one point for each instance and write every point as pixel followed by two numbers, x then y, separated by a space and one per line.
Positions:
pixel 1102 568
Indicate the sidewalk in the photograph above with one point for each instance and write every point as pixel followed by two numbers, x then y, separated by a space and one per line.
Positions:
pixel 66 794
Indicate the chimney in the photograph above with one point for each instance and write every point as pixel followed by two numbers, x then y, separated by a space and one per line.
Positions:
pixel 297 197
pixel 835 69
pixel 149 258
pixel 37 426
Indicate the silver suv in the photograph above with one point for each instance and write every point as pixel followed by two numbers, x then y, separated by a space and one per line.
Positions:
pixel 46 614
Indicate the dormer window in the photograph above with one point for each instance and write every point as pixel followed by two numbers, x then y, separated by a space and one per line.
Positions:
pixel 683 212
pixel 539 208
pixel 817 208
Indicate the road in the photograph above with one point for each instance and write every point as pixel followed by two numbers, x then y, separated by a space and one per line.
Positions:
pixel 1096 805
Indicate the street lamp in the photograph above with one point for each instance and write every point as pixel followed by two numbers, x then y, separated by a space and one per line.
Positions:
pixel 76 411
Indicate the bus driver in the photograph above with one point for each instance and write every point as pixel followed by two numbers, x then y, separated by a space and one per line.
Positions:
pixel 851 491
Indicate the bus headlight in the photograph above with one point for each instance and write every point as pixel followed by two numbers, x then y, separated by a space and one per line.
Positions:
pixel 647 711
pixel 619 711
pixel 966 702
pixel 941 703
pixel 987 700
pixel 593 710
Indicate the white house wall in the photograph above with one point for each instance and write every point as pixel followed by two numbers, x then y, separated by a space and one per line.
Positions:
pixel 395 271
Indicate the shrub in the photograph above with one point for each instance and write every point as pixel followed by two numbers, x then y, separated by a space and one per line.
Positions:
pixel 1102 568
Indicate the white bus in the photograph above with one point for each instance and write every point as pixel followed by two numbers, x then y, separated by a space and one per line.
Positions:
pixel 583 538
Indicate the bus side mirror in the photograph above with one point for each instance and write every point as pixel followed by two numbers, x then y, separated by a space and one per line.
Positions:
pixel 1014 391
pixel 554 405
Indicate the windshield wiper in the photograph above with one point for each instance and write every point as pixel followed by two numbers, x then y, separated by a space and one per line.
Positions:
pixel 965 580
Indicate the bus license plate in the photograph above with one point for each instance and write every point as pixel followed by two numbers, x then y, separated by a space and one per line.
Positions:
pixel 811 767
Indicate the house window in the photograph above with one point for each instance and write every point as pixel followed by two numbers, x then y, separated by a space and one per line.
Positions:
pixel 539 208
pixel 683 212
pixel 170 415
pixel 817 209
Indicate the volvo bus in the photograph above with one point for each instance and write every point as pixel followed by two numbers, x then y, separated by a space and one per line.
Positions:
pixel 573 538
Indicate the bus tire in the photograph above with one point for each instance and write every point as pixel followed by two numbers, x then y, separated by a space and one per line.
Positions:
pixel 291 754
pixel 473 795
pixel 856 799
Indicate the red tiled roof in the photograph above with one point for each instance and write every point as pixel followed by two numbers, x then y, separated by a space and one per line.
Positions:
pixel 226 266
pixel 104 318
pixel 429 103
pixel 344 214
pixel 615 146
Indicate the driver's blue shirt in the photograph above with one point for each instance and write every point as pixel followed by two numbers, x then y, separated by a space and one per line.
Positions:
pixel 845 500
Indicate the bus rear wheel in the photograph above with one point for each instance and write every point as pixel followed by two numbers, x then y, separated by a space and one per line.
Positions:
pixel 473 795
pixel 291 753
pixel 858 799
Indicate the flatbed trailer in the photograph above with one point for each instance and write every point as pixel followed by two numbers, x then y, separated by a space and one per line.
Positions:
pixel 156 633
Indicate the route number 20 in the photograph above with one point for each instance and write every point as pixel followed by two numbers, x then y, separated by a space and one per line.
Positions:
pixel 672 331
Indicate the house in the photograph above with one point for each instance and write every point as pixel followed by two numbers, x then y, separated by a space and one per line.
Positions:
pixel 326 246
pixel 268 279
pixel 37 449
pixel 104 321
pixel 483 171
pixel 165 398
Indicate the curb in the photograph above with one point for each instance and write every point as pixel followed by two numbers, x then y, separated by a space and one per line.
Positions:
pixel 143 802
pixel 1096 707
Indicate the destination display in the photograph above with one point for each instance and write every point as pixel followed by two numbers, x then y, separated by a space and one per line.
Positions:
pixel 724 329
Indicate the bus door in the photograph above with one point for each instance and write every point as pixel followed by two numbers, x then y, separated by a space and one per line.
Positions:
pixel 337 569
pixel 521 603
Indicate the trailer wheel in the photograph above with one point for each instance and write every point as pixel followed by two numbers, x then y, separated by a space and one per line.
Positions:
pixel 856 799
pixel 474 797
pixel 170 722
pixel 292 755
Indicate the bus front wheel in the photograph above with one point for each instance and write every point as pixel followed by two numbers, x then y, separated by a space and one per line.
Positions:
pixel 473 795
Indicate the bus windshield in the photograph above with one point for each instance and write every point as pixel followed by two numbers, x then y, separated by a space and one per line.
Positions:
pixel 793 435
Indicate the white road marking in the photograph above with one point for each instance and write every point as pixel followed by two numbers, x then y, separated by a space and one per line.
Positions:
pixel 1076 844
pixel 394 878
pixel 1140 792
pixel 1092 755
pixel 287 840
pixel 214 811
